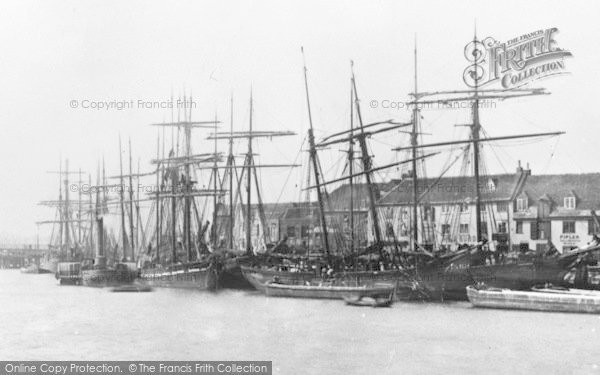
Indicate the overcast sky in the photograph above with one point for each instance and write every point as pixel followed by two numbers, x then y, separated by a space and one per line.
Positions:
pixel 53 53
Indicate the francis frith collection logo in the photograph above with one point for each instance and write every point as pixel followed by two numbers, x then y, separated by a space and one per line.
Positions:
pixel 517 62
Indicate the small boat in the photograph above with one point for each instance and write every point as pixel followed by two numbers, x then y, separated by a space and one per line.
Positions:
pixel 372 301
pixel 132 288
pixel 539 300
pixel 326 290
pixel 32 268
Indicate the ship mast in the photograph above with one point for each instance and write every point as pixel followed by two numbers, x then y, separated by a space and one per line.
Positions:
pixel 366 161
pixel 474 96
pixel 131 231
pixel 315 167
pixel 416 116
pixel 122 201
pixel 249 186
pixel 351 172
pixel 475 128
pixel 230 161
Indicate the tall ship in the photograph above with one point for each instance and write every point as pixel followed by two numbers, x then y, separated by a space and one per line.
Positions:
pixel 66 242
pixel 178 255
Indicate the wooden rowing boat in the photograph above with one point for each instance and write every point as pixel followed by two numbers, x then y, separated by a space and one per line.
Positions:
pixel 376 301
pixel 326 290
pixel 533 300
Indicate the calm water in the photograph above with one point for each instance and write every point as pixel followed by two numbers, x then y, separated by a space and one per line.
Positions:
pixel 41 320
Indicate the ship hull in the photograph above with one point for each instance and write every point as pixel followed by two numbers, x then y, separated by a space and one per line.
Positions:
pixel 536 300
pixel 259 277
pixel 201 278
pixel 106 277
pixel 519 276
pixel 49 265
pixel 326 291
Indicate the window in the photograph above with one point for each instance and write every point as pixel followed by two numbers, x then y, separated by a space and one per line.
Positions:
pixel 521 204
pixel 592 227
pixel 482 208
pixel 570 202
pixel 445 208
pixel 502 207
pixel 304 231
pixel 534 231
pixel 445 229
pixel 568 227
pixel 464 228
pixel 291 231
pixel 464 207
pixel 519 227
pixel 501 227
pixel 484 228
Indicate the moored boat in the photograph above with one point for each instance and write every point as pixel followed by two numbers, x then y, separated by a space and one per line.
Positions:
pixel 533 300
pixel 200 275
pixel 32 268
pixel 325 290
pixel 69 273
pixel 131 288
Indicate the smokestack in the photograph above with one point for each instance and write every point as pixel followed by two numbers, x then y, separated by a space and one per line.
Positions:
pixel 100 261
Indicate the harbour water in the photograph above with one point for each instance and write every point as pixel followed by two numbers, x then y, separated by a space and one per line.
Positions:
pixel 40 320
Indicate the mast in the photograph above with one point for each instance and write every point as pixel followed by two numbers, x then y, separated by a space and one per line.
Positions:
pixel 215 181
pixel 186 198
pixel 366 161
pixel 475 136
pixel 131 232
pixel 413 141
pixel 61 208
pixel 67 236
pixel 122 201
pixel 315 166
pixel 158 205
pixel 230 164
pixel 79 209
pixel 91 208
pixel 351 181
pixel 249 186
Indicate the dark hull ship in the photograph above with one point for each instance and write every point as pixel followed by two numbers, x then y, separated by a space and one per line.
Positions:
pixel 181 258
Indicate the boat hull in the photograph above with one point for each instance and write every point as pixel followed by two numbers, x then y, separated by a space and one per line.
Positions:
pixel 258 277
pixel 536 300
pixel 106 277
pixel 192 278
pixel 49 265
pixel 519 276
pixel 325 291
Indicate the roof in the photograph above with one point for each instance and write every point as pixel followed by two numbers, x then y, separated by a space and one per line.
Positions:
pixel 339 198
pixel 500 187
pixel 584 187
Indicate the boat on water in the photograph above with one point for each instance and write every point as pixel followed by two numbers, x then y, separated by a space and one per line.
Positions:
pixel 326 290
pixel 131 288
pixel 68 273
pixel 370 301
pixel 32 268
pixel 539 300
pixel 49 264
pixel 569 269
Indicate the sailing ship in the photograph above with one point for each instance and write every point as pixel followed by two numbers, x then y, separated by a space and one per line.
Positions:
pixel 239 254
pixel 181 259
pixel 446 274
pixel 104 271
pixel 66 244
pixel 339 265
